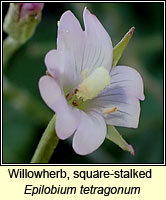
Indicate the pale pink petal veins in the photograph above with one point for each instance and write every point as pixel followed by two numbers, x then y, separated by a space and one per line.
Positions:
pixel 90 133
pixel 126 115
pixel 128 78
pixel 124 92
pixel 82 49
pixel 71 42
pixel 98 50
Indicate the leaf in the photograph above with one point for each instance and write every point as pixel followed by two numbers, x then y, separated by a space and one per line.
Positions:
pixel 114 136
pixel 120 47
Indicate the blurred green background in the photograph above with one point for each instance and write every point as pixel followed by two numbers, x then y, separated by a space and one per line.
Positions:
pixel 23 127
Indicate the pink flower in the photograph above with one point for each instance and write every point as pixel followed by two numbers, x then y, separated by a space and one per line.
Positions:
pixel 83 88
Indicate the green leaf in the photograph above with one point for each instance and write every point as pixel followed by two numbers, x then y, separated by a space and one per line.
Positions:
pixel 120 47
pixel 114 136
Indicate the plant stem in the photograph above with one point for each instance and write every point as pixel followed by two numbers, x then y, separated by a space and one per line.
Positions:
pixel 10 45
pixel 47 144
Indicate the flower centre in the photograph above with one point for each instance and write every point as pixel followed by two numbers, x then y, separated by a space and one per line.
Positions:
pixel 77 102
pixel 89 88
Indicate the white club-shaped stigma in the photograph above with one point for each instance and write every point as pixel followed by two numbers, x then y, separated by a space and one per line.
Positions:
pixel 93 84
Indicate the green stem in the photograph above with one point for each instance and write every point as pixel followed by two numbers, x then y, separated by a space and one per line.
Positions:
pixel 10 45
pixel 47 144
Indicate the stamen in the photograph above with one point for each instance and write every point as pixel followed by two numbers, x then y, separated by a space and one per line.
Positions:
pixel 109 110
pixel 75 91
pixel 69 96
pixel 75 103
pixel 48 74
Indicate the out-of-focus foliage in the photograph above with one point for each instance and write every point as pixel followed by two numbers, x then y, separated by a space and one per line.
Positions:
pixel 22 131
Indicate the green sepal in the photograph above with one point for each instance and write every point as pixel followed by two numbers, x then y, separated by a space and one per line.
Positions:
pixel 114 136
pixel 120 47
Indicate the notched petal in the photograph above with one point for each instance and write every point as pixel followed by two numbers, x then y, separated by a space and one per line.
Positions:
pixel 98 44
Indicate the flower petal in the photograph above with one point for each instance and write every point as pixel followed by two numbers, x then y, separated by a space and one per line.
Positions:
pixel 54 64
pixel 128 78
pixel 126 115
pixel 98 50
pixel 50 91
pixel 124 92
pixel 71 42
pixel 90 133
pixel 67 118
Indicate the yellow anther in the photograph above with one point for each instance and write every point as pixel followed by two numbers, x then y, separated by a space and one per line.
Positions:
pixel 109 110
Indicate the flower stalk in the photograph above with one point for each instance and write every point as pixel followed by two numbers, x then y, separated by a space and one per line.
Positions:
pixel 10 46
pixel 47 144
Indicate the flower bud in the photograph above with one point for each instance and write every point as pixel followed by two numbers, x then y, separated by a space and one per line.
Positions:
pixel 22 19
pixel 33 9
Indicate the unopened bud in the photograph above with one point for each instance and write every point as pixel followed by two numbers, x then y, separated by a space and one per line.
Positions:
pixel 30 9
pixel 22 19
